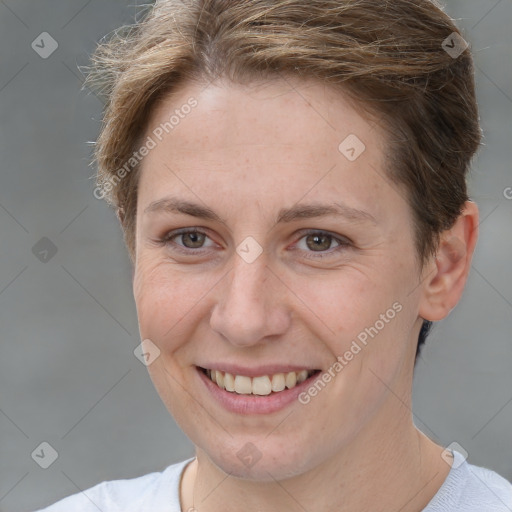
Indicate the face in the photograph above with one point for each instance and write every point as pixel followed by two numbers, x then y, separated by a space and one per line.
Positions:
pixel 269 242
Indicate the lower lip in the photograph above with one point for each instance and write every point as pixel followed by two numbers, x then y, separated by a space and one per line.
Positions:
pixel 254 404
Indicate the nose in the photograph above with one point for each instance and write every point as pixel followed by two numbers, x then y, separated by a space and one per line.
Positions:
pixel 251 305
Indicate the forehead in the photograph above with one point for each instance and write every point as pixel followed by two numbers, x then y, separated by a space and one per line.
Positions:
pixel 314 115
pixel 281 139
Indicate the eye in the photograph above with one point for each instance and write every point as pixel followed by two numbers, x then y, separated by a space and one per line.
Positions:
pixel 321 242
pixel 186 239
pixel 315 243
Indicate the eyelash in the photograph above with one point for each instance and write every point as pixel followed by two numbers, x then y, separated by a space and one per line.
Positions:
pixel 344 243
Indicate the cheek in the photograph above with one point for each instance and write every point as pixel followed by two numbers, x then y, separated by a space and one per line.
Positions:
pixel 342 305
pixel 168 301
pixel 157 299
pixel 363 318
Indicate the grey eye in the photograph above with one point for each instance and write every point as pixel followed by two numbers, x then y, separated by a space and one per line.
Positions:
pixel 319 241
pixel 192 239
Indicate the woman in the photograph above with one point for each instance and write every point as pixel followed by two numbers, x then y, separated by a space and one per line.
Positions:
pixel 291 181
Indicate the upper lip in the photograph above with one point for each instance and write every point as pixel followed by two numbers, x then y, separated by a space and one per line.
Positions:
pixel 255 371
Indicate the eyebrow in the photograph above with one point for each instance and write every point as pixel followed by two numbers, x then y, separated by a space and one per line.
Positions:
pixel 285 215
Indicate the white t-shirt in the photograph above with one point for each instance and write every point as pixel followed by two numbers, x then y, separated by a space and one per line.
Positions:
pixel 467 488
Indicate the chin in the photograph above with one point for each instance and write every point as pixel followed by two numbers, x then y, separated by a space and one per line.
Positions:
pixel 265 464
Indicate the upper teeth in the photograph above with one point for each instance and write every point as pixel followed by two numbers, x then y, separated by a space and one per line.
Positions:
pixel 263 385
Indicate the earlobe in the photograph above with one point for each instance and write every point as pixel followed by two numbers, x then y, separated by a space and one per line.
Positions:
pixel 447 275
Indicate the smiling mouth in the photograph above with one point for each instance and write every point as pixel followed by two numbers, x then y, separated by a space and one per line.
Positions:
pixel 262 386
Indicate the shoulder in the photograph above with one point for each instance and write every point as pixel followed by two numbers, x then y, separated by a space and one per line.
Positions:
pixel 153 491
pixel 491 487
pixel 470 488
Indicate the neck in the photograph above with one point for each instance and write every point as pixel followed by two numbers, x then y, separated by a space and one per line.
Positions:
pixel 401 471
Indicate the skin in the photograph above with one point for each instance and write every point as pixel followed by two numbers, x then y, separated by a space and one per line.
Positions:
pixel 245 152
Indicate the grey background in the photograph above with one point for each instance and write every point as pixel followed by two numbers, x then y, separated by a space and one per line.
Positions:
pixel 68 327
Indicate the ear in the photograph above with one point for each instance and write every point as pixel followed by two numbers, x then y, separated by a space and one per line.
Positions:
pixel 446 276
pixel 120 214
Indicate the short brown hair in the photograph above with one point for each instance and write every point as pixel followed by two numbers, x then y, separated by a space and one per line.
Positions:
pixel 389 57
